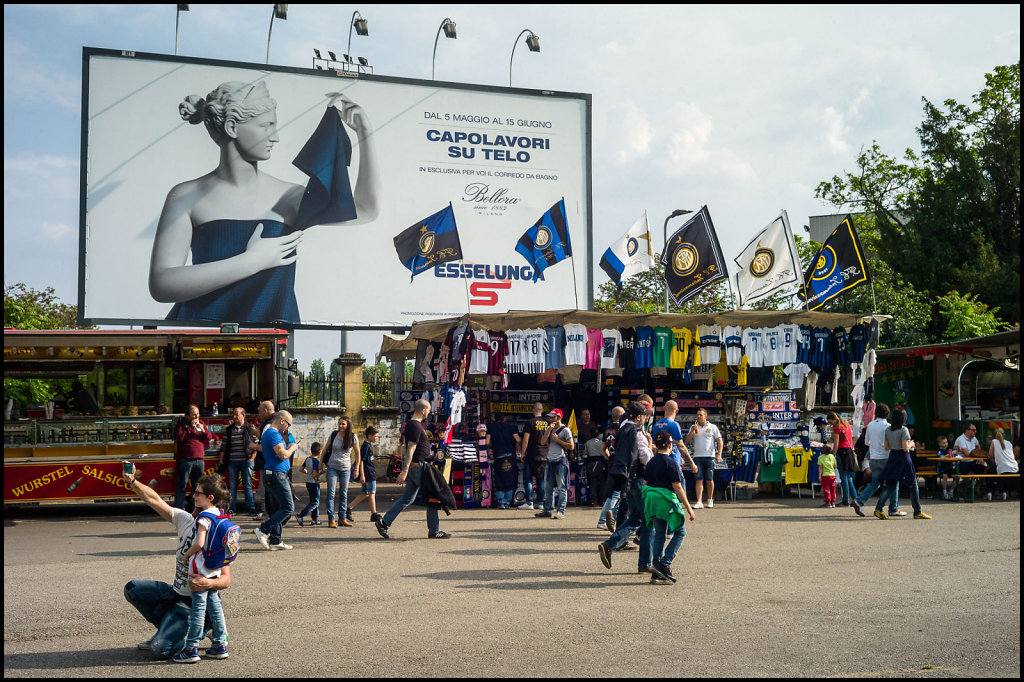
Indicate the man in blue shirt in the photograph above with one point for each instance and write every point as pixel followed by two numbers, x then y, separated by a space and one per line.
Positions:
pixel 277 456
pixel 669 423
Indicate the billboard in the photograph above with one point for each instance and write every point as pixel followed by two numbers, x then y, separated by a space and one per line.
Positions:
pixel 220 191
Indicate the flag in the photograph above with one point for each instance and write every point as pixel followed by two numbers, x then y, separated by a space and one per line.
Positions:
pixel 547 242
pixel 572 424
pixel 631 254
pixel 430 242
pixel 693 258
pixel 768 263
pixel 837 267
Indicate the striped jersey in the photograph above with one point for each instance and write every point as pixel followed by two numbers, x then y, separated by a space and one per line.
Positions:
pixel 710 337
pixel 732 339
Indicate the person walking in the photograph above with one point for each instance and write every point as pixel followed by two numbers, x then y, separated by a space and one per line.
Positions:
pixel 664 501
pixel 878 457
pixel 367 473
pixel 900 466
pixel 534 457
pixel 707 449
pixel 264 415
pixel 846 460
pixel 311 467
pixel 191 438
pixel 237 453
pixel 612 489
pixel 277 455
pixel 342 445
pixel 416 455
pixel 559 442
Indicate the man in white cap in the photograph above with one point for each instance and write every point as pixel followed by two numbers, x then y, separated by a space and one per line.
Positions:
pixel 558 439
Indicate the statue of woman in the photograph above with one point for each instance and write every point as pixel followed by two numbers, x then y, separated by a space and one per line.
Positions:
pixel 240 223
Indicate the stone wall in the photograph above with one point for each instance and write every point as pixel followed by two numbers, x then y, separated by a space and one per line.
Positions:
pixel 315 424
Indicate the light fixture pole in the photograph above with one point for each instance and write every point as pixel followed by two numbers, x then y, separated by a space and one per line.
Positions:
pixel 449 31
pixel 359 25
pixel 280 12
pixel 664 237
pixel 177 15
pixel 532 41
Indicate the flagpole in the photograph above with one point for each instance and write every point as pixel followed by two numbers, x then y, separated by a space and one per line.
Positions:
pixel 575 289
pixel 466 280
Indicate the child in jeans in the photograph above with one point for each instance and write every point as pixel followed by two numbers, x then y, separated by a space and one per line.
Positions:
pixel 827 476
pixel 209 491
pixel 311 467
pixel 367 473
pixel 947 469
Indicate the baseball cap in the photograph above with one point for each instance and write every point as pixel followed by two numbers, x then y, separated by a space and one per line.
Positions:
pixel 555 413
pixel 636 408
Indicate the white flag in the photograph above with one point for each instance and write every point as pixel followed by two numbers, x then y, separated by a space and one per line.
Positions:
pixel 768 263
pixel 631 254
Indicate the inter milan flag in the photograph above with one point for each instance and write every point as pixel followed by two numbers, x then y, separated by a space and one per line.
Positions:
pixel 430 242
pixel 631 254
pixel 693 257
pixel 838 266
pixel 768 263
pixel 547 242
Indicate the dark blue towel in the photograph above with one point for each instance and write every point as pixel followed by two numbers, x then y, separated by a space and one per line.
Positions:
pixel 325 159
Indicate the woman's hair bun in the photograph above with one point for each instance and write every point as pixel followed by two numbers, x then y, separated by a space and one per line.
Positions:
pixel 191 109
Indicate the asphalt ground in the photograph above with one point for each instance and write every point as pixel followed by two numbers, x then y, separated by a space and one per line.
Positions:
pixel 767 587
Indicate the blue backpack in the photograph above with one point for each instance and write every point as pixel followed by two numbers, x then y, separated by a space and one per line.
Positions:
pixel 222 541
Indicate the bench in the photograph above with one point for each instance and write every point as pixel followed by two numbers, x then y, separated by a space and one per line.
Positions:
pixel 973 476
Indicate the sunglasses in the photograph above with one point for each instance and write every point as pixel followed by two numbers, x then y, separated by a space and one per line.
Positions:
pixel 201 492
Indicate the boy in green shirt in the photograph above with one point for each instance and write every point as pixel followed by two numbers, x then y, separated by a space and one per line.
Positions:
pixel 827 476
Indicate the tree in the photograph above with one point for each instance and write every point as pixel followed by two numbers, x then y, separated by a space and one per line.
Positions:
pixel 645 293
pixel 965 317
pixel 317 371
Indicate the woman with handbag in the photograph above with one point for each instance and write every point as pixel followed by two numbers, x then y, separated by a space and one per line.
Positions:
pixel 342 445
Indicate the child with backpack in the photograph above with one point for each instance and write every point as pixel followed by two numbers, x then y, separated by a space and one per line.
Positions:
pixel 311 467
pixel 215 545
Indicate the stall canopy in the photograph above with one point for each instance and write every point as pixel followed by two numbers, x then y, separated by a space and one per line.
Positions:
pixel 396 347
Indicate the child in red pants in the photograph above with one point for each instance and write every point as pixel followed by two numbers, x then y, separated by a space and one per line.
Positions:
pixel 827 476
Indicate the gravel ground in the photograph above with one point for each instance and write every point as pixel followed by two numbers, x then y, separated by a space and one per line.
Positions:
pixel 767 587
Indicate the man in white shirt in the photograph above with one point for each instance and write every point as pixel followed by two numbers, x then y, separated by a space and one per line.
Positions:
pixel 966 445
pixel 707 449
pixel 878 457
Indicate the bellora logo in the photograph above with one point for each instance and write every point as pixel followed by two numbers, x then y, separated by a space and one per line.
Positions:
pixel 825 264
pixel 631 246
pixel 481 193
pixel 685 260
pixel 764 261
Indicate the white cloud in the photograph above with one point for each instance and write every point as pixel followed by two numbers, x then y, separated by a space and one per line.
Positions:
pixel 41 176
pixel 636 133
pixel 27 78
pixel 59 233
pixel 690 151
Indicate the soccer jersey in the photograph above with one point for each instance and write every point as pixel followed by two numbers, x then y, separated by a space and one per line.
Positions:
pixel 790 340
pixel 575 344
pixel 796 371
pixel 595 347
pixel 681 348
pixel 664 340
pixel 803 353
pixel 858 342
pixel 610 351
pixel 733 341
pixel 721 372
pixel 554 354
pixel 841 346
pixel 771 472
pixel 771 348
pixel 525 351
pixel 644 347
pixel 627 352
pixel 496 353
pixel 821 348
pixel 798 461
pixel 741 371
pixel 753 339
pixel 710 343
pixel 479 351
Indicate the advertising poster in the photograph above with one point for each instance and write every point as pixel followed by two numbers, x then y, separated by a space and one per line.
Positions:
pixel 233 192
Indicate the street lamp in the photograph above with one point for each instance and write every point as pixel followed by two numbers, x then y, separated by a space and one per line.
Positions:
pixel 177 15
pixel 449 31
pixel 674 214
pixel 532 42
pixel 280 12
pixel 361 30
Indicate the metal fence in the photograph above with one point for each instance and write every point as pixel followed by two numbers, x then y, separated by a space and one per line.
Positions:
pixel 329 392
pixel 378 388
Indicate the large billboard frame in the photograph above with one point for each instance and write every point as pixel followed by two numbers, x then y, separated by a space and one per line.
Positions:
pixel 89 52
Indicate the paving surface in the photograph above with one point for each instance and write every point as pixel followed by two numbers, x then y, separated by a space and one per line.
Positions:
pixel 768 587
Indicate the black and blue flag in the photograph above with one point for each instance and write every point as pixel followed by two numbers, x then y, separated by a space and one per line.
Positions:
pixel 837 267
pixel 547 242
pixel 430 242
pixel 693 257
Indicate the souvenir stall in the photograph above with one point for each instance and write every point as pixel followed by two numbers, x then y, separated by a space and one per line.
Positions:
pixel 755 372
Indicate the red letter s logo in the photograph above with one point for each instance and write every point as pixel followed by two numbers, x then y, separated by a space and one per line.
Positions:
pixel 484 290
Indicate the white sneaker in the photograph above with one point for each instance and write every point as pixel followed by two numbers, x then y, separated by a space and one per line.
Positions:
pixel 262 537
pixel 280 545
pixel 528 506
pixel 698 505
pixel 711 503
pixel 601 525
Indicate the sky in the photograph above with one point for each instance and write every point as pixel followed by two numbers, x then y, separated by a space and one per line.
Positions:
pixel 742 108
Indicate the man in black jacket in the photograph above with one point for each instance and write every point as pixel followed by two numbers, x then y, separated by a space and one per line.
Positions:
pixel 625 471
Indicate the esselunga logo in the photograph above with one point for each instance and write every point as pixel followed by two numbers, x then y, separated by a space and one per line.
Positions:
pixel 685 260
pixel 825 264
pixel 764 261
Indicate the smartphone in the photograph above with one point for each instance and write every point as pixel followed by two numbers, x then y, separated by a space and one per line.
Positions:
pixel 129 468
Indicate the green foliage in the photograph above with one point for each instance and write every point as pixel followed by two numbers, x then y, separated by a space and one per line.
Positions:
pixel 645 293
pixel 965 317
pixel 317 371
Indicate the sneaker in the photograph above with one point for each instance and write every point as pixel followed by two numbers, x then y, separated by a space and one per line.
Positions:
pixel 280 545
pixel 525 505
pixel 316 522
pixel 381 528
pixel 711 503
pixel 824 504
pixel 601 526
pixel 698 505
pixel 881 515
pixel 262 537
pixel 348 514
pixel 898 512
pixel 606 555
pixel 439 535
pixel 626 547
pixel 558 515
pixel 146 645
pixel 922 515
pixel 543 514
pixel 299 519
pixel 217 651
pixel 609 521
pixel 187 656
pixel 658 580
pixel 646 569
pixel 636 540
pixel 663 572
pixel 375 516
pixel 856 508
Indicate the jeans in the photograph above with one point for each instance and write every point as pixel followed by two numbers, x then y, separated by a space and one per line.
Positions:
pixel 892 489
pixel 207 601
pixel 611 503
pixel 171 626
pixel 661 553
pixel 189 472
pixel 504 498
pixel 313 508
pixel 241 468
pixel 597 471
pixel 554 482
pixel 633 524
pixel 848 485
pixel 877 467
pixel 538 471
pixel 412 487
pixel 337 478
pixel 280 490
